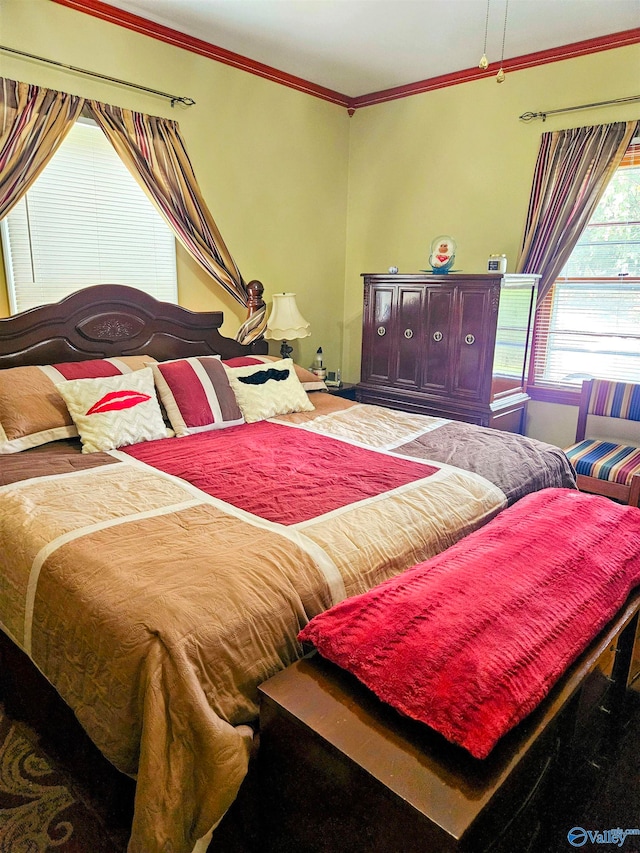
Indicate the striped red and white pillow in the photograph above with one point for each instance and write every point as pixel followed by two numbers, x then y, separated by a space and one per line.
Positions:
pixel 196 394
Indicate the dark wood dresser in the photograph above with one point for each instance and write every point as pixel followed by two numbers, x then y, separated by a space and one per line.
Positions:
pixel 342 772
pixel 452 346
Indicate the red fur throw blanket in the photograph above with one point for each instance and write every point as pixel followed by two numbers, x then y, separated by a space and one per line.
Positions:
pixel 472 640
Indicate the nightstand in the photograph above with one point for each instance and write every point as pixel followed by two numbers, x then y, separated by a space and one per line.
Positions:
pixel 346 390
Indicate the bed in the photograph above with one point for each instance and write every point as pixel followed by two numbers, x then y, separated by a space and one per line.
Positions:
pixel 156 585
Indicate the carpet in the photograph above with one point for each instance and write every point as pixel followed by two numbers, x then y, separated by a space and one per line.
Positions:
pixel 43 809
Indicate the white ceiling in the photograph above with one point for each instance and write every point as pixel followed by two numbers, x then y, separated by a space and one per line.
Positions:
pixel 356 47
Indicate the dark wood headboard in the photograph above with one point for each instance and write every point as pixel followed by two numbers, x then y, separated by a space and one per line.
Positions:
pixel 110 320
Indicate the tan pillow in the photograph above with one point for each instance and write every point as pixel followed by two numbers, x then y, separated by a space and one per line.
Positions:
pixel 114 411
pixel 32 412
pixel 266 390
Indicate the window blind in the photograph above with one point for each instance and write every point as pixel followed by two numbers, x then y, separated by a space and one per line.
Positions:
pixel 86 221
pixel 594 331
pixel 589 323
pixel 511 333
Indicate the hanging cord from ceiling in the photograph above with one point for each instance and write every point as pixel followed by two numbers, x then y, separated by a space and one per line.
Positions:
pixel 500 75
pixel 175 99
pixel 484 62
pixel 544 113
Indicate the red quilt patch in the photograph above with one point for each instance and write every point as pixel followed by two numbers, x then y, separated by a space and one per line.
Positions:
pixel 280 473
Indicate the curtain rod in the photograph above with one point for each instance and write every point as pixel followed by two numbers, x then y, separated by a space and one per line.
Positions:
pixel 543 115
pixel 175 99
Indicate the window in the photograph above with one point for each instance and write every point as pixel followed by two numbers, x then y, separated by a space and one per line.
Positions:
pixel 589 323
pixel 86 221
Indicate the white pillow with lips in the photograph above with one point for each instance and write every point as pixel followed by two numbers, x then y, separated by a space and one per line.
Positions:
pixel 114 411
pixel 266 390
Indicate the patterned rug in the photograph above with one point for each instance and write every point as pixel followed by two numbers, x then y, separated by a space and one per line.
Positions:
pixel 42 808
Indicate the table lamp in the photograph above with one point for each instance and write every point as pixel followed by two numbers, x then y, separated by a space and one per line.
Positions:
pixel 285 322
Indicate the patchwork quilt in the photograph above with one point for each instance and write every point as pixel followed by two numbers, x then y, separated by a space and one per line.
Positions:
pixel 156 587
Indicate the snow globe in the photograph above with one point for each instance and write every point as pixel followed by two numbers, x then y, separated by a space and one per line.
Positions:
pixel 442 254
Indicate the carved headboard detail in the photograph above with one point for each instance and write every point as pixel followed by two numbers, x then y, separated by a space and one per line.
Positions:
pixel 114 327
pixel 109 320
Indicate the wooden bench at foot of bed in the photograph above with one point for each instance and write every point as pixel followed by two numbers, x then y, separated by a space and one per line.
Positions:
pixel 518 645
pixel 347 773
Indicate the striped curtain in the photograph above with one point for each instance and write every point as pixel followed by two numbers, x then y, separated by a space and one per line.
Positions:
pixel 572 172
pixel 33 123
pixel 35 120
pixel 154 152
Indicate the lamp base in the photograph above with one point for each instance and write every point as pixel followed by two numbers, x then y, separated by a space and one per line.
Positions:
pixel 285 350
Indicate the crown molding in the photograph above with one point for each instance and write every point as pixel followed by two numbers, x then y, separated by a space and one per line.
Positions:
pixel 517 63
pixel 106 12
pixel 129 21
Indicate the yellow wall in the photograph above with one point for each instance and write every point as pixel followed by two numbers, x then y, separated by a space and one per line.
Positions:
pixel 307 198
pixel 271 162
pixel 459 161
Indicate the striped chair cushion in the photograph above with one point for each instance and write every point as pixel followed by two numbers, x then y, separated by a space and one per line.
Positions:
pixel 605 460
pixel 615 400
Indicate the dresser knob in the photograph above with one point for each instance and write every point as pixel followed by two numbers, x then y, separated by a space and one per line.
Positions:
pixel 469 339
pixel 437 336
pixel 408 333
